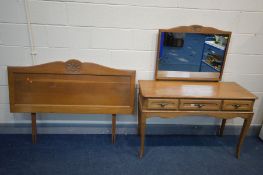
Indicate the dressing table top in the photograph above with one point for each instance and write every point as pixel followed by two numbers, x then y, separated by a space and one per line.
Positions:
pixel 186 89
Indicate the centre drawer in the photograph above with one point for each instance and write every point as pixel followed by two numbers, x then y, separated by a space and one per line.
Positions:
pixel 209 105
pixel 162 103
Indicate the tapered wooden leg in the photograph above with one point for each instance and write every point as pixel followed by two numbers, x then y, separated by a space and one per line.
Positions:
pixel 34 128
pixel 113 129
pixel 222 127
pixel 244 131
pixel 139 120
pixel 142 134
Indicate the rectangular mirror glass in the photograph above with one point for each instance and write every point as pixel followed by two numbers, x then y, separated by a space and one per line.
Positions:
pixel 191 55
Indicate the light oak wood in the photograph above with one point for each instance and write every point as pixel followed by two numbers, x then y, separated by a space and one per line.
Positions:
pixel 71 87
pixel 244 131
pixel 34 128
pixel 183 75
pixel 195 99
pixel 237 105
pixel 191 76
pixel 113 129
pixel 195 29
pixel 139 115
pixel 189 90
pixel 142 135
pixel 182 113
pixel 222 127
pixel 206 105
pixel 162 103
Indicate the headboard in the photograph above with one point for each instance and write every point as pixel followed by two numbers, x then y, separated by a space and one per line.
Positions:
pixel 71 87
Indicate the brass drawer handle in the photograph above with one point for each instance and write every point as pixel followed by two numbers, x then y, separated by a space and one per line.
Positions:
pixel 163 104
pixel 199 105
pixel 236 106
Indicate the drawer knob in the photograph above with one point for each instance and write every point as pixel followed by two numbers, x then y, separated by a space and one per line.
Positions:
pixel 199 105
pixel 236 106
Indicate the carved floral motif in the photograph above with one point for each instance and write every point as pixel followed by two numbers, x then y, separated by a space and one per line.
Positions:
pixel 73 66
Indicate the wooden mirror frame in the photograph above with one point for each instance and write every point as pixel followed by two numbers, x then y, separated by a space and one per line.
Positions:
pixel 193 76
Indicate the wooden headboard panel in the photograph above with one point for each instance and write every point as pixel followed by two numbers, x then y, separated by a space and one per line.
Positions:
pixel 71 87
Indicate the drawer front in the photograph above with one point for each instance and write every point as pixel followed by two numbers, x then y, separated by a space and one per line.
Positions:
pixel 200 105
pixel 237 105
pixel 162 103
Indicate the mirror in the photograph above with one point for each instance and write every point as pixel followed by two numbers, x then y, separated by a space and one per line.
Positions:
pixel 191 53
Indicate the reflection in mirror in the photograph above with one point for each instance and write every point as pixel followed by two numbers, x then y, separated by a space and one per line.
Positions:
pixel 191 52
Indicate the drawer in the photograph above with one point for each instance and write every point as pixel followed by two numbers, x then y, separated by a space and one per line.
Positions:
pixel 208 105
pixel 162 103
pixel 237 105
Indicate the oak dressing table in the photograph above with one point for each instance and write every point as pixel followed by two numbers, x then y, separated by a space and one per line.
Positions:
pixel 186 92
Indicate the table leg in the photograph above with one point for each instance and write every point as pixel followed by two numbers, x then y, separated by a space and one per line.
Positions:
pixel 139 120
pixel 222 127
pixel 34 128
pixel 243 133
pixel 113 129
pixel 142 134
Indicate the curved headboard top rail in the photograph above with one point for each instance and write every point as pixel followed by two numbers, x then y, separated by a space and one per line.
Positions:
pixel 196 29
pixel 72 66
